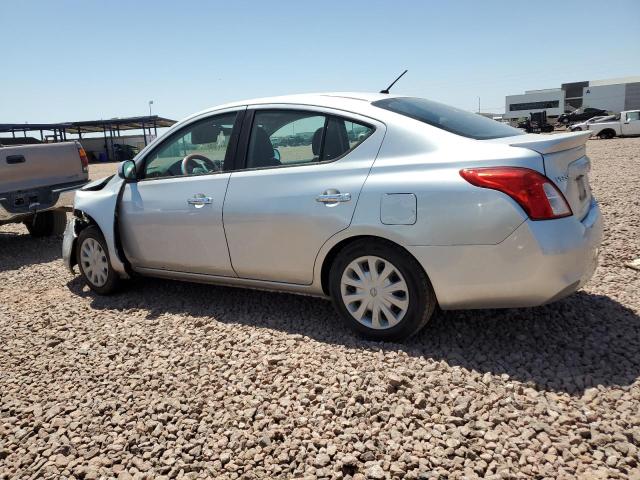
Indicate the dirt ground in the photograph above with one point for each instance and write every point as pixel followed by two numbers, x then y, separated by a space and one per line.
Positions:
pixel 177 380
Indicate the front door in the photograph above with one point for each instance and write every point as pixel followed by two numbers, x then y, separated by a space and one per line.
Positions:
pixel 171 219
pixel 298 185
pixel 631 123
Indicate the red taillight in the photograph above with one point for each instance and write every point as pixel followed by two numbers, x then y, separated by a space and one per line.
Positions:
pixel 533 191
pixel 84 159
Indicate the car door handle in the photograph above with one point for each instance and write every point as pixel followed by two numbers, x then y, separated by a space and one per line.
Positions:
pixel 199 200
pixel 13 159
pixel 333 197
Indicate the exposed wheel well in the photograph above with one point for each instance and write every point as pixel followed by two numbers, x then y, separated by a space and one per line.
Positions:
pixel 82 221
pixel 333 253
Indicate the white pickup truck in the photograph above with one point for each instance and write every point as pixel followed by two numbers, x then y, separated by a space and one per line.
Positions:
pixel 37 184
pixel 626 125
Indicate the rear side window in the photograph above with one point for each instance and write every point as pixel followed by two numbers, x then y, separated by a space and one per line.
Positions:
pixel 447 118
pixel 290 137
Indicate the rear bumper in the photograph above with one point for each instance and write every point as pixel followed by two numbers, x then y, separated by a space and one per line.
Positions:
pixel 540 262
pixel 49 198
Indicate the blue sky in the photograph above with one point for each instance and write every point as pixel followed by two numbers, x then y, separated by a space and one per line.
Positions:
pixel 80 60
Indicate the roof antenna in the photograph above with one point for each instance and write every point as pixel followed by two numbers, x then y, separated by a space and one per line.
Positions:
pixel 386 90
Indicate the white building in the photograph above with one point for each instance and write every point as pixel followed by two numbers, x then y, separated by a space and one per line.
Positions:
pixel 613 95
pixel 531 101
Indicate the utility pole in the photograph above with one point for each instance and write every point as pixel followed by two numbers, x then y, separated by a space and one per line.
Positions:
pixel 478 104
pixel 150 103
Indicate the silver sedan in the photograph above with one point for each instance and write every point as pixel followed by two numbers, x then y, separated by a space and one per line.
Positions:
pixel 388 205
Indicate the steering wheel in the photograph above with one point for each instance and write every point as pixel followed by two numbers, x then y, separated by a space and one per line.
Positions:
pixel 189 163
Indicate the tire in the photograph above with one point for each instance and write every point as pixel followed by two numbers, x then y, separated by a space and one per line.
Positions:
pixel 577 129
pixel 93 261
pixel 606 134
pixel 46 224
pixel 407 318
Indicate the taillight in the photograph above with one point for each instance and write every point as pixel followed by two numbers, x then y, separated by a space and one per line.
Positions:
pixel 84 159
pixel 533 191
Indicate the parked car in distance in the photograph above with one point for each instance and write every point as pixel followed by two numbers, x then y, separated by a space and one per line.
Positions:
pixel 578 127
pixel 37 182
pixel 428 206
pixel 627 124
pixel 580 115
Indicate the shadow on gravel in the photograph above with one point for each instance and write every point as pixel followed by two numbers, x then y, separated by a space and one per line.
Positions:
pixel 21 249
pixel 582 341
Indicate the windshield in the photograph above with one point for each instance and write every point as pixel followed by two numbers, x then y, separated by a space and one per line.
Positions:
pixel 447 118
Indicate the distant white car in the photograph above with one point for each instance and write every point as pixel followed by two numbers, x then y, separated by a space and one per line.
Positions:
pixel 422 205
pixel 584 125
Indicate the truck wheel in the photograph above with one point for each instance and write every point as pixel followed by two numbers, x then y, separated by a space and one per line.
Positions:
pixel 606 134
pixel 46 224
pixel 93 261
pixel 380 290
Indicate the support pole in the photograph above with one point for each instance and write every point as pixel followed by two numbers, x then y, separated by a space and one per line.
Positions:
pixel 144 132
pixel 106 147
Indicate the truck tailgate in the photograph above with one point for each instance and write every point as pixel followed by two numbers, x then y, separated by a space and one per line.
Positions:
pixel 33 166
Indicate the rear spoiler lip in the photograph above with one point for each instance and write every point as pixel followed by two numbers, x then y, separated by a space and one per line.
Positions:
pixel 544 144
pixel 552 143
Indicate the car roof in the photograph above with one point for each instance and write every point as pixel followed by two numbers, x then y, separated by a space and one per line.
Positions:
pixel 352 101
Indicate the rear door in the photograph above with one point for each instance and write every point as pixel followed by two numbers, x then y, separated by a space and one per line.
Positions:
pixel 171 219
pixel 298 182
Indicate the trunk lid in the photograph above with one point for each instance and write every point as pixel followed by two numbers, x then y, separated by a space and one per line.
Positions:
pixel 565 163
pixel 32 166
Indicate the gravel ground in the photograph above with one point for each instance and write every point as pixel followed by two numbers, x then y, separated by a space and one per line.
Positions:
pixel 191 381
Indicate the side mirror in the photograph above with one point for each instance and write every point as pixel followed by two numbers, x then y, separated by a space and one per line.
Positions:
pixel 276 154
pixel 127 171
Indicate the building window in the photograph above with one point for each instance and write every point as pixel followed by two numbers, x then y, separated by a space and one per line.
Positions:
pixel 516 107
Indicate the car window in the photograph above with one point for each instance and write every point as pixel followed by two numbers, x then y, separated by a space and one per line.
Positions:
pixel 198 149
pixel 633 116
pixel 447 118
pixel 287 137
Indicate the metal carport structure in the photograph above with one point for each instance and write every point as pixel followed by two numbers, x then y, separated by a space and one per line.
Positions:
pixel 110 128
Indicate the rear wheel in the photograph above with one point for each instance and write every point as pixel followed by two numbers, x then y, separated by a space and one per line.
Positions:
pixel 92 257
pixel 606 134
pixel 47 223
pixel 380 290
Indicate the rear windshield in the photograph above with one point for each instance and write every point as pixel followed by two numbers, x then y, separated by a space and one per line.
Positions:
pixel 447 118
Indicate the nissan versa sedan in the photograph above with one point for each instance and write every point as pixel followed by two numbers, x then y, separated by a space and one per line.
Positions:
pixel 389 205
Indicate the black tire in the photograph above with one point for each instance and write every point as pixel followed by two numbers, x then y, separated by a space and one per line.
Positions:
pixel 606 134
pixel 577 129
pixel 46 224
pixel 421 297
pixel 113 281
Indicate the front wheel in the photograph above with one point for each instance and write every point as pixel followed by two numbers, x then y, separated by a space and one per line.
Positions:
pixel 92 257
pixel 380 290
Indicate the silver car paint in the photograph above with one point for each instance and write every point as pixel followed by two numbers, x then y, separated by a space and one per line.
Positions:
pixel 101 206
pixel 476 245
pixel 161 230
pixel 274 224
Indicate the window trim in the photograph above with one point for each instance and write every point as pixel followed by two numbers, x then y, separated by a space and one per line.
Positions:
pixel 247 127
pixel 229 156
